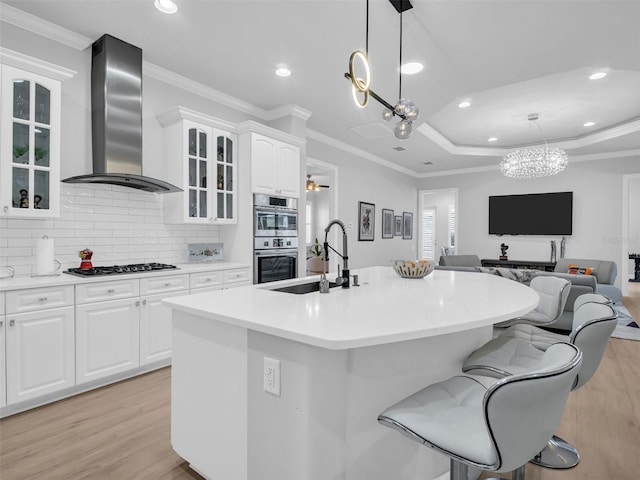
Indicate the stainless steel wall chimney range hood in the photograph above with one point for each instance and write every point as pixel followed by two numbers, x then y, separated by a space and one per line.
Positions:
pixel 116 118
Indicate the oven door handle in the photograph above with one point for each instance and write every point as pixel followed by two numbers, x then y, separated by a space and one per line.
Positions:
pixel 281 253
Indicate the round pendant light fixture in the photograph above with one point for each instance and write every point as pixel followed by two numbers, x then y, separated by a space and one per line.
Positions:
pixel 534 162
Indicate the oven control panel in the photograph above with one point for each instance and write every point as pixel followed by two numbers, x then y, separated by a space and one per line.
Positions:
pixel 271 243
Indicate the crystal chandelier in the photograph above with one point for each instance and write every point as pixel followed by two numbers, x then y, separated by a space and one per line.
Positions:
pixel 534 162
pixel 405 109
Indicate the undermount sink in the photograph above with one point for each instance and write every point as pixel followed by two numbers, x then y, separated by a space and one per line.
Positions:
pixel 303 288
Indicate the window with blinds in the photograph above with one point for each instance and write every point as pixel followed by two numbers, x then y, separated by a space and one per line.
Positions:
pixel 452 226
pixel 308 223
pixel 427 237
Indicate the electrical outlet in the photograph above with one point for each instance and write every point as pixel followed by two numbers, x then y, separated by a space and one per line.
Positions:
pixel 271 376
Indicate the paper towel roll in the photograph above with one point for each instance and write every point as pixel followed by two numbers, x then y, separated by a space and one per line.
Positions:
pixel 45 263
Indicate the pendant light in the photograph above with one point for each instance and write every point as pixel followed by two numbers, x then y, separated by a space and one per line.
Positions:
pixel 405 109
pixel 534 162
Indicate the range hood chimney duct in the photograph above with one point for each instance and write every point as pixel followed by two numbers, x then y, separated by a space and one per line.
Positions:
pixel 116 118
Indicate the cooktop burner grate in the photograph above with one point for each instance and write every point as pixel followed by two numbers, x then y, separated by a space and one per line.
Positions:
pixel 119 269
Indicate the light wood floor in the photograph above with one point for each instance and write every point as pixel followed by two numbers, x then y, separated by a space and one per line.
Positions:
pixel 122 432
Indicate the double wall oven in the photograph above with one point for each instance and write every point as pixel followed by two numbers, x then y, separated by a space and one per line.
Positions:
pixel 275 230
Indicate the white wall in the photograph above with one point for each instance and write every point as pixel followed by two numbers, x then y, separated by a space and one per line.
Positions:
pixel 362 180
pixel 597 217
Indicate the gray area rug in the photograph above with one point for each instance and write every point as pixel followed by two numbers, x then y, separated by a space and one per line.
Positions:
pixel 627 327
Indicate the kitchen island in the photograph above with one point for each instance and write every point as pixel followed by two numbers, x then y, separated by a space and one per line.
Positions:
pixel 344 357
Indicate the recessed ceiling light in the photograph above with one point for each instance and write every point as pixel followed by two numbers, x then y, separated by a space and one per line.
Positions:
pixel 283 71
pixel 464 104
pixel 589 124
pixel 166 6
pixel 492 139
pixel 411 68
pixel 597 75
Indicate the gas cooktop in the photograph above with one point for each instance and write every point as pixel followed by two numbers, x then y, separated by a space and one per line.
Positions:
pixel 118 269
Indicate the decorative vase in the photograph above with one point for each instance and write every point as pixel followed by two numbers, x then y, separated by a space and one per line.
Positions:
pixel 315 265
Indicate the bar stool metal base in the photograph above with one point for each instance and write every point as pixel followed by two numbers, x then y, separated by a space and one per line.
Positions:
pixel 558 454
pixel 517 474
pixel 461 471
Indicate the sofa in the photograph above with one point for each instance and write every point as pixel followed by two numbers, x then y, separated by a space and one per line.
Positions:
pixel 605 272
pixel 580 284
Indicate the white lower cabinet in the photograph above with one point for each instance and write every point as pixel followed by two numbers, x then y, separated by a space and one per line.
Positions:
pixel 57 337
pixel 39 353
pixel 155 329
pixel 107 338
pixel 155 318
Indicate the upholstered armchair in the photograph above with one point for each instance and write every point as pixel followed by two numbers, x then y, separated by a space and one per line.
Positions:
pixel 605 272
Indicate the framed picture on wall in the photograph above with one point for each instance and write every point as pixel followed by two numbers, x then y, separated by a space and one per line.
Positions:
pixel 387 223
pixel 398 231
pixel 366 221
pixel 407 225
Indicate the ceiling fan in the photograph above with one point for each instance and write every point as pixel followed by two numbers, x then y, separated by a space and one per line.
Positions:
pixel 313 186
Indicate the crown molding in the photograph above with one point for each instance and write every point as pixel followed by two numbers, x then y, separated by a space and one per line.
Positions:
pixel 177 80
pixel 181 113
pixel 249 126
pixel 600 136
pixel 321 137
pixel 287 111
pixel 35 65
pixel 37 25
pixel 572 159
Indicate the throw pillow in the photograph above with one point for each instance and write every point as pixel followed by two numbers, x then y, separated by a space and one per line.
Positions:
pixel 576 270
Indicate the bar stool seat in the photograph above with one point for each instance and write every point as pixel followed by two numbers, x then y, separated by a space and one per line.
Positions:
pixel 520 347
pixel 553 293
pixel 495 425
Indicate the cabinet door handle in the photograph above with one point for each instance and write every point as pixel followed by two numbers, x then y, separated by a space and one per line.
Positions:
pixel 138 303
pixel 1 323
pixel 12 323
pixel 111 290
pixel 5 209
pixel 42 299
pixel 209 279
pixel 144 302
pixel 168 284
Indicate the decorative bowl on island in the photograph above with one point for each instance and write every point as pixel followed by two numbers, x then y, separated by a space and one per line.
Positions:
pixel 413 268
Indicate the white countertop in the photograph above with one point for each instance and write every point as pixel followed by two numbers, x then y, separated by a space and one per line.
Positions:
pixel 384 309
pixel 20 282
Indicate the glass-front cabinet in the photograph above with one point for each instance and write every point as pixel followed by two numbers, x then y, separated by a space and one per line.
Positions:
pixel 30 152
pixel 202 160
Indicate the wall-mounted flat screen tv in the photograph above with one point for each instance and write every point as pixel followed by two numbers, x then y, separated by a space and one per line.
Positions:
pixel 531 214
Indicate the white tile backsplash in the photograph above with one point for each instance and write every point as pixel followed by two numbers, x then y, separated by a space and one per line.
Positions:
pixel 119 224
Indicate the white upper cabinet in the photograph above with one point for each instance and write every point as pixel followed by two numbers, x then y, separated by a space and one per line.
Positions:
pixel 30 152
pixel 275 166
pixel 202 160
pixel 30 105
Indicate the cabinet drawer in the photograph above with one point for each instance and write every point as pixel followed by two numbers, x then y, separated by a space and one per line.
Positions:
pixel 101 291
pixel 238 275
pixel 206 279
pixel 39 298
pixel 169 283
